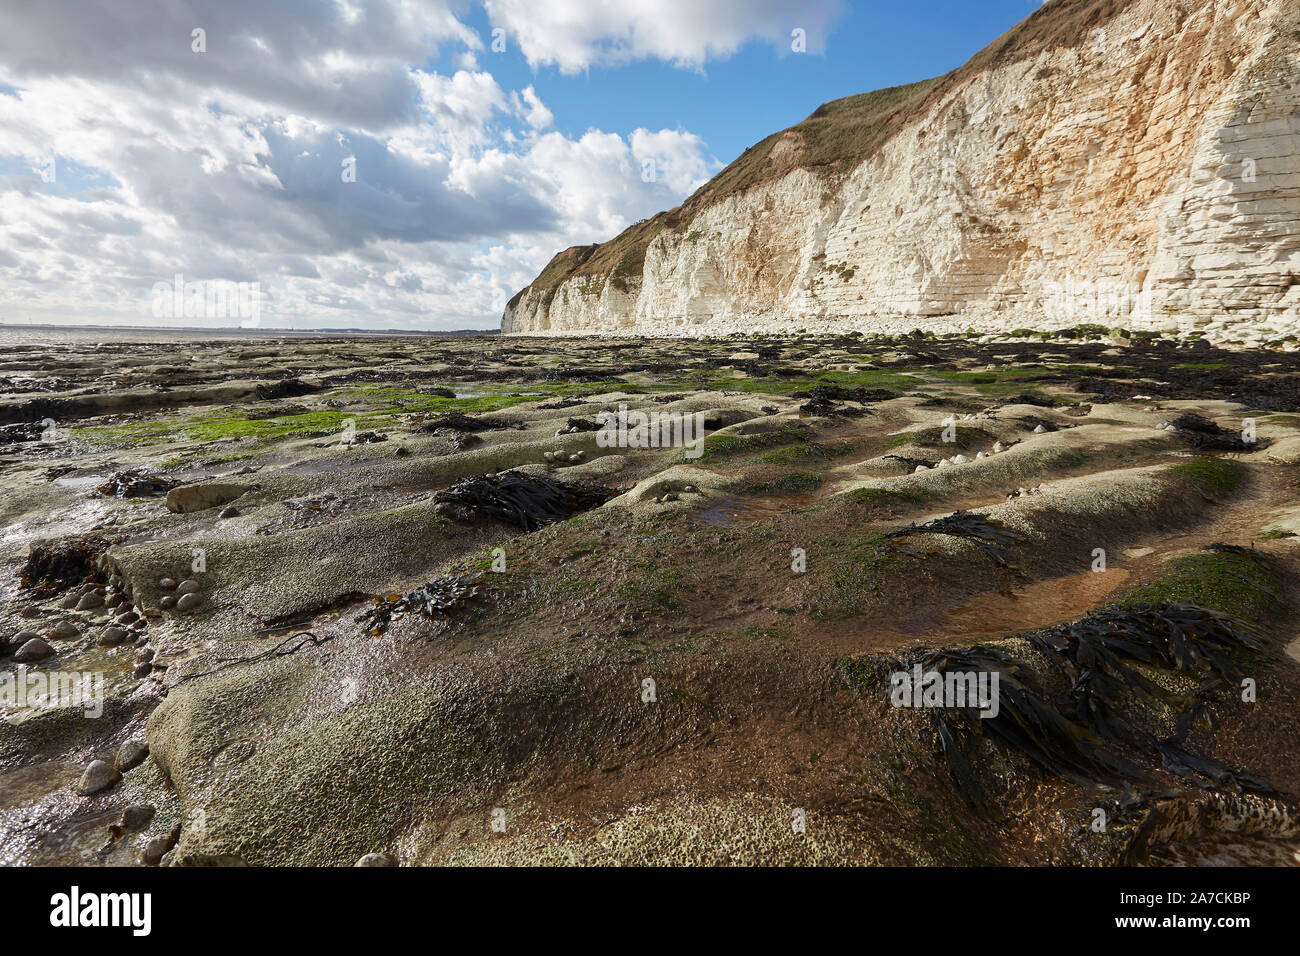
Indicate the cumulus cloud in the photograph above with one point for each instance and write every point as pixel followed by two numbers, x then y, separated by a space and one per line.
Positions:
pixel 576 34
pixel 313 149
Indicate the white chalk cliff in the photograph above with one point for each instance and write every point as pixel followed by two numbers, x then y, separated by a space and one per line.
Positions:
pixel 1134 163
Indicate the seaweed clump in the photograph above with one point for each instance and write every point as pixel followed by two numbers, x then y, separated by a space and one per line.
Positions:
pixel 826 399
pixel 460 422
pixel 1199 432
pixel 285 388
pixel 1113 709
pixel 1105 656
pixel 441 596
pixel 986 534
pixel 53 567
pixel 1026 720
pixel 516 497
pixel 136 484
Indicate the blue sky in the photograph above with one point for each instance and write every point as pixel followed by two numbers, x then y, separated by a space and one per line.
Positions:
pixel 735 102
pixel 223 157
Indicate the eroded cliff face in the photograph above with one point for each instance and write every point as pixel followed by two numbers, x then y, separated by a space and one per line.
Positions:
pixel 1146 174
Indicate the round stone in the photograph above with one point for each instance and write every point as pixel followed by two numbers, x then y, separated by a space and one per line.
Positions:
pixel 167 584
pixel 99 776
pixel 63 631
pixel 188 586
pixel 377 859
pixel 34 650
pixel 112 636
pixel 89 600
pixel 155 850
pixel 131 754
pixel 189 602
pixel 137 816
pixel 168 602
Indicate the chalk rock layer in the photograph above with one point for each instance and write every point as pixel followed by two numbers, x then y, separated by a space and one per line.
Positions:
pixel 1133 163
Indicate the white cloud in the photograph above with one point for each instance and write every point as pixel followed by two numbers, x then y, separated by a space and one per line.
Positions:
pixel 532 109
pixel 231 164
pixel 576 34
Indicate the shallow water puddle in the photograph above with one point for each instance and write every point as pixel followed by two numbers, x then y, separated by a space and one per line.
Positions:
pixel 746 509
pixel 1036 605
pixel 40 820
pixel 80 481
pixel 98 673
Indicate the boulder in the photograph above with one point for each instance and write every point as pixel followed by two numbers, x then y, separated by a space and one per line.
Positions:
pixel 189 498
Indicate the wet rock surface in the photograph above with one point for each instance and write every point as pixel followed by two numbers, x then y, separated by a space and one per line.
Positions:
pixel 639 648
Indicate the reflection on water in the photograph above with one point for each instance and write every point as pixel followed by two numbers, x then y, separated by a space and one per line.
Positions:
pixel 88 666
pixel 1023 609
pixel 746 509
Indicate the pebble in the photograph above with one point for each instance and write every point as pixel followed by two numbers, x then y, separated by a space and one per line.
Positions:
pixel 377 859
pixel 167 584
pixel 959 459
pixel 233 512
pixel 188 602
pixel 1040 430
pixel 943 463
pixel 69 602
pixel 155 849
pixel 146 653
pixel 168 602
pixel 921 468
pixel 131 754
pixel 981 455
pixel 142 670
pixel 34 650
pixel 188 586
pixel 137 816
pixel 22 637
pixel 63 631
pixel 112 636
pixel 89 600
pixel 100 775
pixel 30 612
pixel 998 447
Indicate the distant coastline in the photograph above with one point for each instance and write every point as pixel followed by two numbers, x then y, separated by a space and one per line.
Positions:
pixel 45 333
